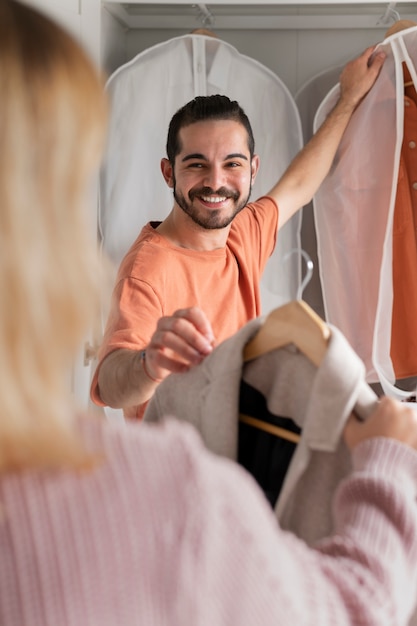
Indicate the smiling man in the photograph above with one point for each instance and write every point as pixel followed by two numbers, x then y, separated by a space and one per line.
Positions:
pixel 191 281
pixel 218 180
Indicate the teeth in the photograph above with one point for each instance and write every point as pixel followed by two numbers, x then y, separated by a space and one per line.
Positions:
pixel 213 199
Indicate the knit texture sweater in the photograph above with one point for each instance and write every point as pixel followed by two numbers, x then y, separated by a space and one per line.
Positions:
pixel 163 532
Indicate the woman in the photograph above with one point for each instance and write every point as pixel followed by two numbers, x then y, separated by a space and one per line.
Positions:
pixel 104 524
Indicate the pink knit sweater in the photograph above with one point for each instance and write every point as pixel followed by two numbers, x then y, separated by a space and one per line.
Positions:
pixel 164 533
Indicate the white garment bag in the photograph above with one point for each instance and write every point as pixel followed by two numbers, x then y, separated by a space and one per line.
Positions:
pixel 354 211
pixel 308 98
pixel 310 95
pixel 144 95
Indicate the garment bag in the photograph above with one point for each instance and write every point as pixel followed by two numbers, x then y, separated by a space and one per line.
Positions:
pixel 144 95
pixel 354 216
pixel 308 98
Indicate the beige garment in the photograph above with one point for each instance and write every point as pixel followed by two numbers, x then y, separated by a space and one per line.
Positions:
pixel 318 400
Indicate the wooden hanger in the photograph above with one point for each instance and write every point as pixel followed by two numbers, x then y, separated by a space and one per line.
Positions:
pixel 293 323
pixel 283 433
pixel 398 26
pixel 204 31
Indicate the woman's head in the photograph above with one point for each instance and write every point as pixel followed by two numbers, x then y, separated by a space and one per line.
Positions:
pixel 52 120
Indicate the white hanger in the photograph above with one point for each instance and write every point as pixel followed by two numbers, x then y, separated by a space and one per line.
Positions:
pixel 390 14
pixel 206 17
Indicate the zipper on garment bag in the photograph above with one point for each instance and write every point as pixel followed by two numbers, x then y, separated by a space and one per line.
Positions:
pixel 199 66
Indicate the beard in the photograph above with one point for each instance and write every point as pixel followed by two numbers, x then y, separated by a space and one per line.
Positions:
pixel 211 219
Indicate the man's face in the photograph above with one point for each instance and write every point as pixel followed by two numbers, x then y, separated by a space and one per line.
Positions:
pixel 213 174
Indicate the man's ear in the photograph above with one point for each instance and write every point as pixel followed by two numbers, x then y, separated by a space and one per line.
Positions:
pixel 167 172
pixel 254 167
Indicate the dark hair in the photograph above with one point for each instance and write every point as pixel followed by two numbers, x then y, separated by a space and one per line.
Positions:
pixel 206 108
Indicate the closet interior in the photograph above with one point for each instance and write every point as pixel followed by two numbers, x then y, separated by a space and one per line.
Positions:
pixel 304 44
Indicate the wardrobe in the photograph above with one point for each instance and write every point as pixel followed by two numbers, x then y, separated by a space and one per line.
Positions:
pixel 304 44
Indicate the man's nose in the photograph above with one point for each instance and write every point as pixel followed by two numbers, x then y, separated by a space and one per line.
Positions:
pixel 214 178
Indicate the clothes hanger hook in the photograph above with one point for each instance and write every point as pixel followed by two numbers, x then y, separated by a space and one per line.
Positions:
pixel 309 269
pixel 207 18
pixel 390 14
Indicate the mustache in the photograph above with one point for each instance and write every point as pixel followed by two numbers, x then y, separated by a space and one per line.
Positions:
pixel 208 191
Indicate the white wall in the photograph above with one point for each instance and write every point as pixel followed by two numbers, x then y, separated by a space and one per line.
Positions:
pixel 113 42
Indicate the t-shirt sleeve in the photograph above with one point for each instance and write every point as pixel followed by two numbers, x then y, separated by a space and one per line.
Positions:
pixel 135 310
pixel 256 227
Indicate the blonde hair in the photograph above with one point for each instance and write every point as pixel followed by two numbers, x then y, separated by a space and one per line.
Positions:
pixel 52 121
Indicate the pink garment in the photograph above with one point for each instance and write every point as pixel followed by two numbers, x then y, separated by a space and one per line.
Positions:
pixel 165 533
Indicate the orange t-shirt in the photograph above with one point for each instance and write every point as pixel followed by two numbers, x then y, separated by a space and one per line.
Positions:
pixel 156 278
pixel 404 313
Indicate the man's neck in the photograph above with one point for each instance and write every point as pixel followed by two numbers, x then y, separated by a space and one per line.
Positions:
pixel 180 230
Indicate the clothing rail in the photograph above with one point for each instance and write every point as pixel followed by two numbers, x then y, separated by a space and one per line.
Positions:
pixel 250 16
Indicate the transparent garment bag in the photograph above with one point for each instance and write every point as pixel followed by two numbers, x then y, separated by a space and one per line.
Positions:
pixel 308 98
pixel 144 95
pixel 310 95
pixel 354 214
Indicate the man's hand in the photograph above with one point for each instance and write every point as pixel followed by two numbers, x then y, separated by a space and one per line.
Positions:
pixel 359 75
pixel 179 342
pixel 308 169
pixel 391 419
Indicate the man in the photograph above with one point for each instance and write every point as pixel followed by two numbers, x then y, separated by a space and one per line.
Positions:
pixel 193 280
